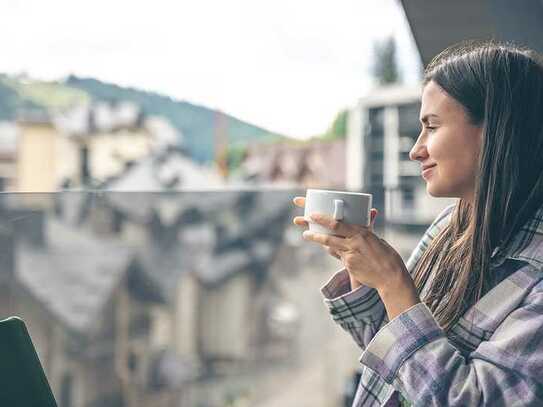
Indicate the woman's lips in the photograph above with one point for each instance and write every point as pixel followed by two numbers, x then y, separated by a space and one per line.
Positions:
pixel 426 173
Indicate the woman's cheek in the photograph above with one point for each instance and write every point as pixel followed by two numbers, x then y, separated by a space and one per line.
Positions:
pixel 435 148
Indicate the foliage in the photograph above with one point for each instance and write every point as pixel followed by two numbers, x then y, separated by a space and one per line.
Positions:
pixel 10 100
pixel 235 156
pixel 51 95
pixel 338 129
pixel 385 66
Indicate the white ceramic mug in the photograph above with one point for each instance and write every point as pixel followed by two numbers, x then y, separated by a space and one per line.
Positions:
pixel 350 207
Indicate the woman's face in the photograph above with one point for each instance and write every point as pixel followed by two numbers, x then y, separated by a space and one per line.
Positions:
pixel 449 142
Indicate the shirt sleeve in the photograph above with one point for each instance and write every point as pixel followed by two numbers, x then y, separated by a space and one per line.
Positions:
pixel 413 353
pixel 360 312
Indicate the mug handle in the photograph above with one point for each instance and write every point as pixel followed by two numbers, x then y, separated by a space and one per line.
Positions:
pixel 338 209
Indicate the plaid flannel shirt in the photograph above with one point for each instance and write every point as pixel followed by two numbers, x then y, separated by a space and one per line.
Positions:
pixel 493 356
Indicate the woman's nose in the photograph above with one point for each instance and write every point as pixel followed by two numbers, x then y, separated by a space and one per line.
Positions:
pixel 418 152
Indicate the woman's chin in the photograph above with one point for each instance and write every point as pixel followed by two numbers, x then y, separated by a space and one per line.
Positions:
pixel 433 191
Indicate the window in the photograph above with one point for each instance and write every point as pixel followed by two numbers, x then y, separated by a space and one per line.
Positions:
pixel 85 165
pixel 408 197
pixel 377 122
pixel 409 119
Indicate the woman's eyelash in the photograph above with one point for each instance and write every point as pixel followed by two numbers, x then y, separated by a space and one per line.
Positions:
pixel 429 128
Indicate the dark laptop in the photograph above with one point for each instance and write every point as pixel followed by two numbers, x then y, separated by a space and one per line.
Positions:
pixel 22 379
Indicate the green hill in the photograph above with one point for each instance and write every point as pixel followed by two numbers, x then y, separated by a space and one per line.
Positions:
pixel 196 123
pixel 11 100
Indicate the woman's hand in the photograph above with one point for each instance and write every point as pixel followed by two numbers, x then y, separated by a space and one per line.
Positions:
pixel 369 259
pixel 300 221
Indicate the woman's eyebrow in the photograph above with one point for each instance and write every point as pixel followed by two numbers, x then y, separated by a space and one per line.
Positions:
pixel 425 118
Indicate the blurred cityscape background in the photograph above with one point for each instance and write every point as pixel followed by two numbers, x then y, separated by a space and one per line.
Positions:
pixel 147 241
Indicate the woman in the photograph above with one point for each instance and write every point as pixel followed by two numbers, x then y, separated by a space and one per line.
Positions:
pixel 461 324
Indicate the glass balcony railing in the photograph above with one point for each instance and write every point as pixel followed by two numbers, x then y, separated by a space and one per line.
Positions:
pixel 173 299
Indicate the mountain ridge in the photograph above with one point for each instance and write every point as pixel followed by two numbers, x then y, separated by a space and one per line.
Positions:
pixel 196 123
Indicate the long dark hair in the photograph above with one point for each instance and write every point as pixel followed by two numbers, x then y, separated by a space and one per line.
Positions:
pixel 500 87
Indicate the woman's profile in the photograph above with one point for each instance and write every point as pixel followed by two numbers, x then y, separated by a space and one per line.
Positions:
pixel 461 322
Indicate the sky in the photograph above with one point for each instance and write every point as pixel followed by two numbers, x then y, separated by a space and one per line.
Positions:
pixel 286 65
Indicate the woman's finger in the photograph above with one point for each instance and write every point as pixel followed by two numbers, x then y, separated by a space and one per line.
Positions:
pixel 337 243
pixel 299 201
pixel 300 221
pixel 337 227
pixel 332 252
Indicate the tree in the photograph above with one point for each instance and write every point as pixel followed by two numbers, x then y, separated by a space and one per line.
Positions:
pixel 338 129
pixel 385 67
pixel 235 156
